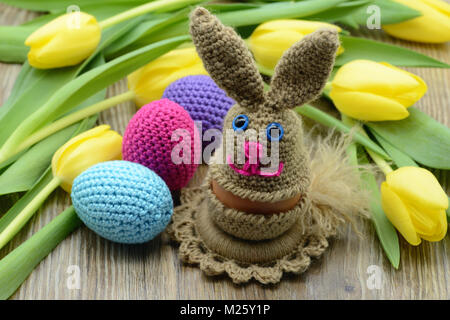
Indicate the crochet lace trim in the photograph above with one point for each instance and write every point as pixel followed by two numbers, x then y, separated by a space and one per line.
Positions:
pixel 193 250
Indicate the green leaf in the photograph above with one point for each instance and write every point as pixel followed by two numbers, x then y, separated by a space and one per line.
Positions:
pixel 385 230
pixel 12 213
pixel 21 83
pixel 339 12
pixel 331 122
pixel 12 38
pixel 390 12
pixel 41 85
pixel 62 5
pixel 153 23
pixel 31 164
pixel 24 172
pixel 36 86
pixel 252 16
pixel 400 159
pixel 84 86
pixel 19 263
pixel 12 47
pixel 419 136
pixel 224 7
pixel 360 48
pixel 285 10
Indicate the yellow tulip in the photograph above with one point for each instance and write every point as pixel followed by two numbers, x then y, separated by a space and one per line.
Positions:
pixel 83 151
pixel 148 83
pixel 432 27
pixel 372 91
pixel 64 41
pixel 415 203
pixel 271 39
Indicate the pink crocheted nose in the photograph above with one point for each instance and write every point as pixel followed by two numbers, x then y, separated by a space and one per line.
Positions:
pixel 253 152
pixel 252 167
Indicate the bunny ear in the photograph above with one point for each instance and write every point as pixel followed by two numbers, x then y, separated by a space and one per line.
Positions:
pixel 227 59
pixel 303 70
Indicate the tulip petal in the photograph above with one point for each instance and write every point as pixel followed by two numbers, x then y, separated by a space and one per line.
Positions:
pixel 64 41
pixel 439 5
pixel 65 163
pixel 301 26
pixel 85 153
pixel 280 41
pixel 44 34
pixel 430 225
pixel 398 214
pixel 425 222
pixel 381 79
pixel 367 106
pixel 441 228
pixel 150 81
pixel 271 39
pixel 418 186
pixel 82 136
pixel 432 27
pixel 408 98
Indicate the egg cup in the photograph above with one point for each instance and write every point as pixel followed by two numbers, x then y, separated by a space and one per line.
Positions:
pixel 249 220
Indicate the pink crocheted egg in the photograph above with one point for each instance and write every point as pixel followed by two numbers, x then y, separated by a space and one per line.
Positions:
pixel 163 137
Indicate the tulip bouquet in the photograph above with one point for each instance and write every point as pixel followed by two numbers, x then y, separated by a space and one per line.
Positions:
pixel 69 59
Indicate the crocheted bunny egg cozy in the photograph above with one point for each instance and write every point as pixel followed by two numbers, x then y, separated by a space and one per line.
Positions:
pixel 148 140
pixel 202 98
pixel 248 219
pixel 122 201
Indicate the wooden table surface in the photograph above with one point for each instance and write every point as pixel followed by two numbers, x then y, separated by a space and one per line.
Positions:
pixel 153 270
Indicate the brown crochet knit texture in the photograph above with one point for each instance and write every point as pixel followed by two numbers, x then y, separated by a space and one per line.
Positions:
pixel 263 247
pixel 334 196
pixel 250 226
pixel 299 77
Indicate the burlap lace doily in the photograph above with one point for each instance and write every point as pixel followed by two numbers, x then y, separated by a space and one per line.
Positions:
pixel 334 196
pixel 292 252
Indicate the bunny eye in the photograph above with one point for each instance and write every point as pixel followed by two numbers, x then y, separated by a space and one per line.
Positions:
pixel 274 131
pixel 240 122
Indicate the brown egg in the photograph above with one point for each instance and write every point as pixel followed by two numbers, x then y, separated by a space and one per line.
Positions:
pixel 257 207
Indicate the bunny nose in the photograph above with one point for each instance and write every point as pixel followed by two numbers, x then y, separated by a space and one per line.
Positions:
pixel 252 150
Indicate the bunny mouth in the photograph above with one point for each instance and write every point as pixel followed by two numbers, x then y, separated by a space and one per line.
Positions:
pixel 254 169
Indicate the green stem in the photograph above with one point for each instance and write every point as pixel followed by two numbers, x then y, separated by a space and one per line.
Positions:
pixel 22 218
pixel 381 163
pixel 264 70
pixel 326 91
pixel 73 118
pixel 19 263
pixel 329 121
pixel 145 8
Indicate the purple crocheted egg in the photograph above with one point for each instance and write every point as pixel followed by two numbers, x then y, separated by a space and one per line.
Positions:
pixel 163 137
pixel 202 98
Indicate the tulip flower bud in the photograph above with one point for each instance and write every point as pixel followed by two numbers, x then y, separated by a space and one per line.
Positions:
pixel 432 27
pixel 271 39
pixel 83 151
pixel 372 91
pixel 415 203
pixel 64 41
pixel 149 82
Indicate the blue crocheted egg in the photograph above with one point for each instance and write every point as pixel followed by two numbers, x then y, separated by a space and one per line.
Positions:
pixel 122 201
